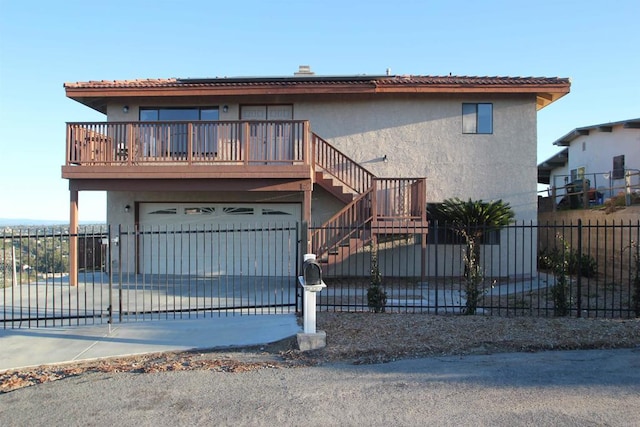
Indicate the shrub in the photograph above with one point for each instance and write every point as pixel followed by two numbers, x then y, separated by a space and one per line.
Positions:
pixel 584 264
pixel 558 262
pixel 376 295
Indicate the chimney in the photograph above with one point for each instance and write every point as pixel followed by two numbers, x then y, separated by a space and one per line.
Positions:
pixel 304 70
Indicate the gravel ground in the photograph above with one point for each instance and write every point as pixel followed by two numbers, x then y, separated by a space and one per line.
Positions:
pixel 364 338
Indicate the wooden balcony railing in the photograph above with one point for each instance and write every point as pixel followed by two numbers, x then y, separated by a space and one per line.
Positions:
pixel 224 142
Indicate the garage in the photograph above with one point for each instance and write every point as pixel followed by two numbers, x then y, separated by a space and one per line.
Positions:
pixel 217 239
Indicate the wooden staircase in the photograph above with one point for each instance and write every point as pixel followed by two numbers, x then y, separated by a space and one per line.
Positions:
pixel 333 187
pixel 390 206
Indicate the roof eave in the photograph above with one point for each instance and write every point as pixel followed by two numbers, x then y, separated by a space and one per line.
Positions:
pixel 95 97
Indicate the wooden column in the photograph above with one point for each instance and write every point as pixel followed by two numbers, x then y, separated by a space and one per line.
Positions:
pixel 73 238
pixel 306 215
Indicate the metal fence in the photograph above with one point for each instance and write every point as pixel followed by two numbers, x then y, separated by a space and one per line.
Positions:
pixel 186 272
pixel 521 268
pixel 146 274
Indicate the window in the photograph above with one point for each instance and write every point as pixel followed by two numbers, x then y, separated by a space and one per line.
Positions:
pixel 171 139
pixel 477 118
pixel 618 167
pixel 200 211
pixel 178 114
pixel 167 211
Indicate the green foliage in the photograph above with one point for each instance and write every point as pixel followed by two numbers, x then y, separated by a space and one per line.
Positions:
pixel 35 254
pixel 376 295
pixel 472 220
pixel 583 264
pixel 558 262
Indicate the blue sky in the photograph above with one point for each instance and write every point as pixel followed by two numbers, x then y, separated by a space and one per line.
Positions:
pixel 44 44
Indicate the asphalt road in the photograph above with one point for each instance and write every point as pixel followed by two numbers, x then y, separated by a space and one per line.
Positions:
pixel 572 388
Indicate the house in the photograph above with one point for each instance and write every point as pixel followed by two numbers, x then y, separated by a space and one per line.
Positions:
pixel 332 150
pixel 602 158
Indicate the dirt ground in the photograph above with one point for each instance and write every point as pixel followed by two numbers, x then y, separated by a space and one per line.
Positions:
pixel 362 338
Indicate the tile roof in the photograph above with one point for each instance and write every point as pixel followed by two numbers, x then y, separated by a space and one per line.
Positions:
pixel 376 81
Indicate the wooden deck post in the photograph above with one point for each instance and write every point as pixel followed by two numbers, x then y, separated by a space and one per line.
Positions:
pixel 73 237
pixel 306 213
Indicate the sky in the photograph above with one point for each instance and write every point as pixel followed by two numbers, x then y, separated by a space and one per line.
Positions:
pixel 44 44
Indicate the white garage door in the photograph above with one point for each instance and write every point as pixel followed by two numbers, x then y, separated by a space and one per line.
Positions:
pixel 218 238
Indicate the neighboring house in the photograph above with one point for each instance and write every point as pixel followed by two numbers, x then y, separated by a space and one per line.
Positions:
pixel 306 148
pixel 602 155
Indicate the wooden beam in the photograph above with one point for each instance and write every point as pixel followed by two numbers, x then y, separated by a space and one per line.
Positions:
pixel 210 185
pixel 186 172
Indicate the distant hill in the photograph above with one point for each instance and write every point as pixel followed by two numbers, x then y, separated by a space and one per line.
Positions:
pixel 14 222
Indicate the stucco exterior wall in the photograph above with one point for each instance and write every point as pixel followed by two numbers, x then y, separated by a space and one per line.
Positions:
pixel 423 137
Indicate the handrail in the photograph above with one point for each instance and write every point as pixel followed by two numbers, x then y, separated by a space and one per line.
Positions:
pixel 344 223
pixel 340 166
pixel 388 199
pixel 235 142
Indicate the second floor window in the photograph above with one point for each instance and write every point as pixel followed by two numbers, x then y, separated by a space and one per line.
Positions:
pixel 477 118
pixel 178 114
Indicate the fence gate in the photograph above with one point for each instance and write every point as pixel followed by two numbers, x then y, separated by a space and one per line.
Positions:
pixel 235 270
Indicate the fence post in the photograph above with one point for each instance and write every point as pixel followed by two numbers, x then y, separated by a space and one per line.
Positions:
pixel 297 258
pixel 627 185
pixel 305 240
pixel 435 230
pixel 119 242
pixel 579 280
pixel 110 266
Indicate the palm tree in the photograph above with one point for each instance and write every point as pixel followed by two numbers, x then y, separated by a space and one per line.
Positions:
pixel 472 220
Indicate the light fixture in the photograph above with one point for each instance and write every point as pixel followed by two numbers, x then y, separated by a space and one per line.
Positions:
pixel 125 109
pixel 127 208
pixel 225 109
pixel 385 159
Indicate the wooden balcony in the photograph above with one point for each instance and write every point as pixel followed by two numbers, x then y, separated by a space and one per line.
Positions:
pixel 169 150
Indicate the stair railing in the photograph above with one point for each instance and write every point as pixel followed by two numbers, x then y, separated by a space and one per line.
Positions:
pixel 344 225
pixel 337 164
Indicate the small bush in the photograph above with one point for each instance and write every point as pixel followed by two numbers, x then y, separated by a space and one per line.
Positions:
pixel 584 264
pixel 376 295
pixel 558 261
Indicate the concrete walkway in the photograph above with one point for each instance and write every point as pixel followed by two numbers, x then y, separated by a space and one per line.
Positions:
pixel 21 348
